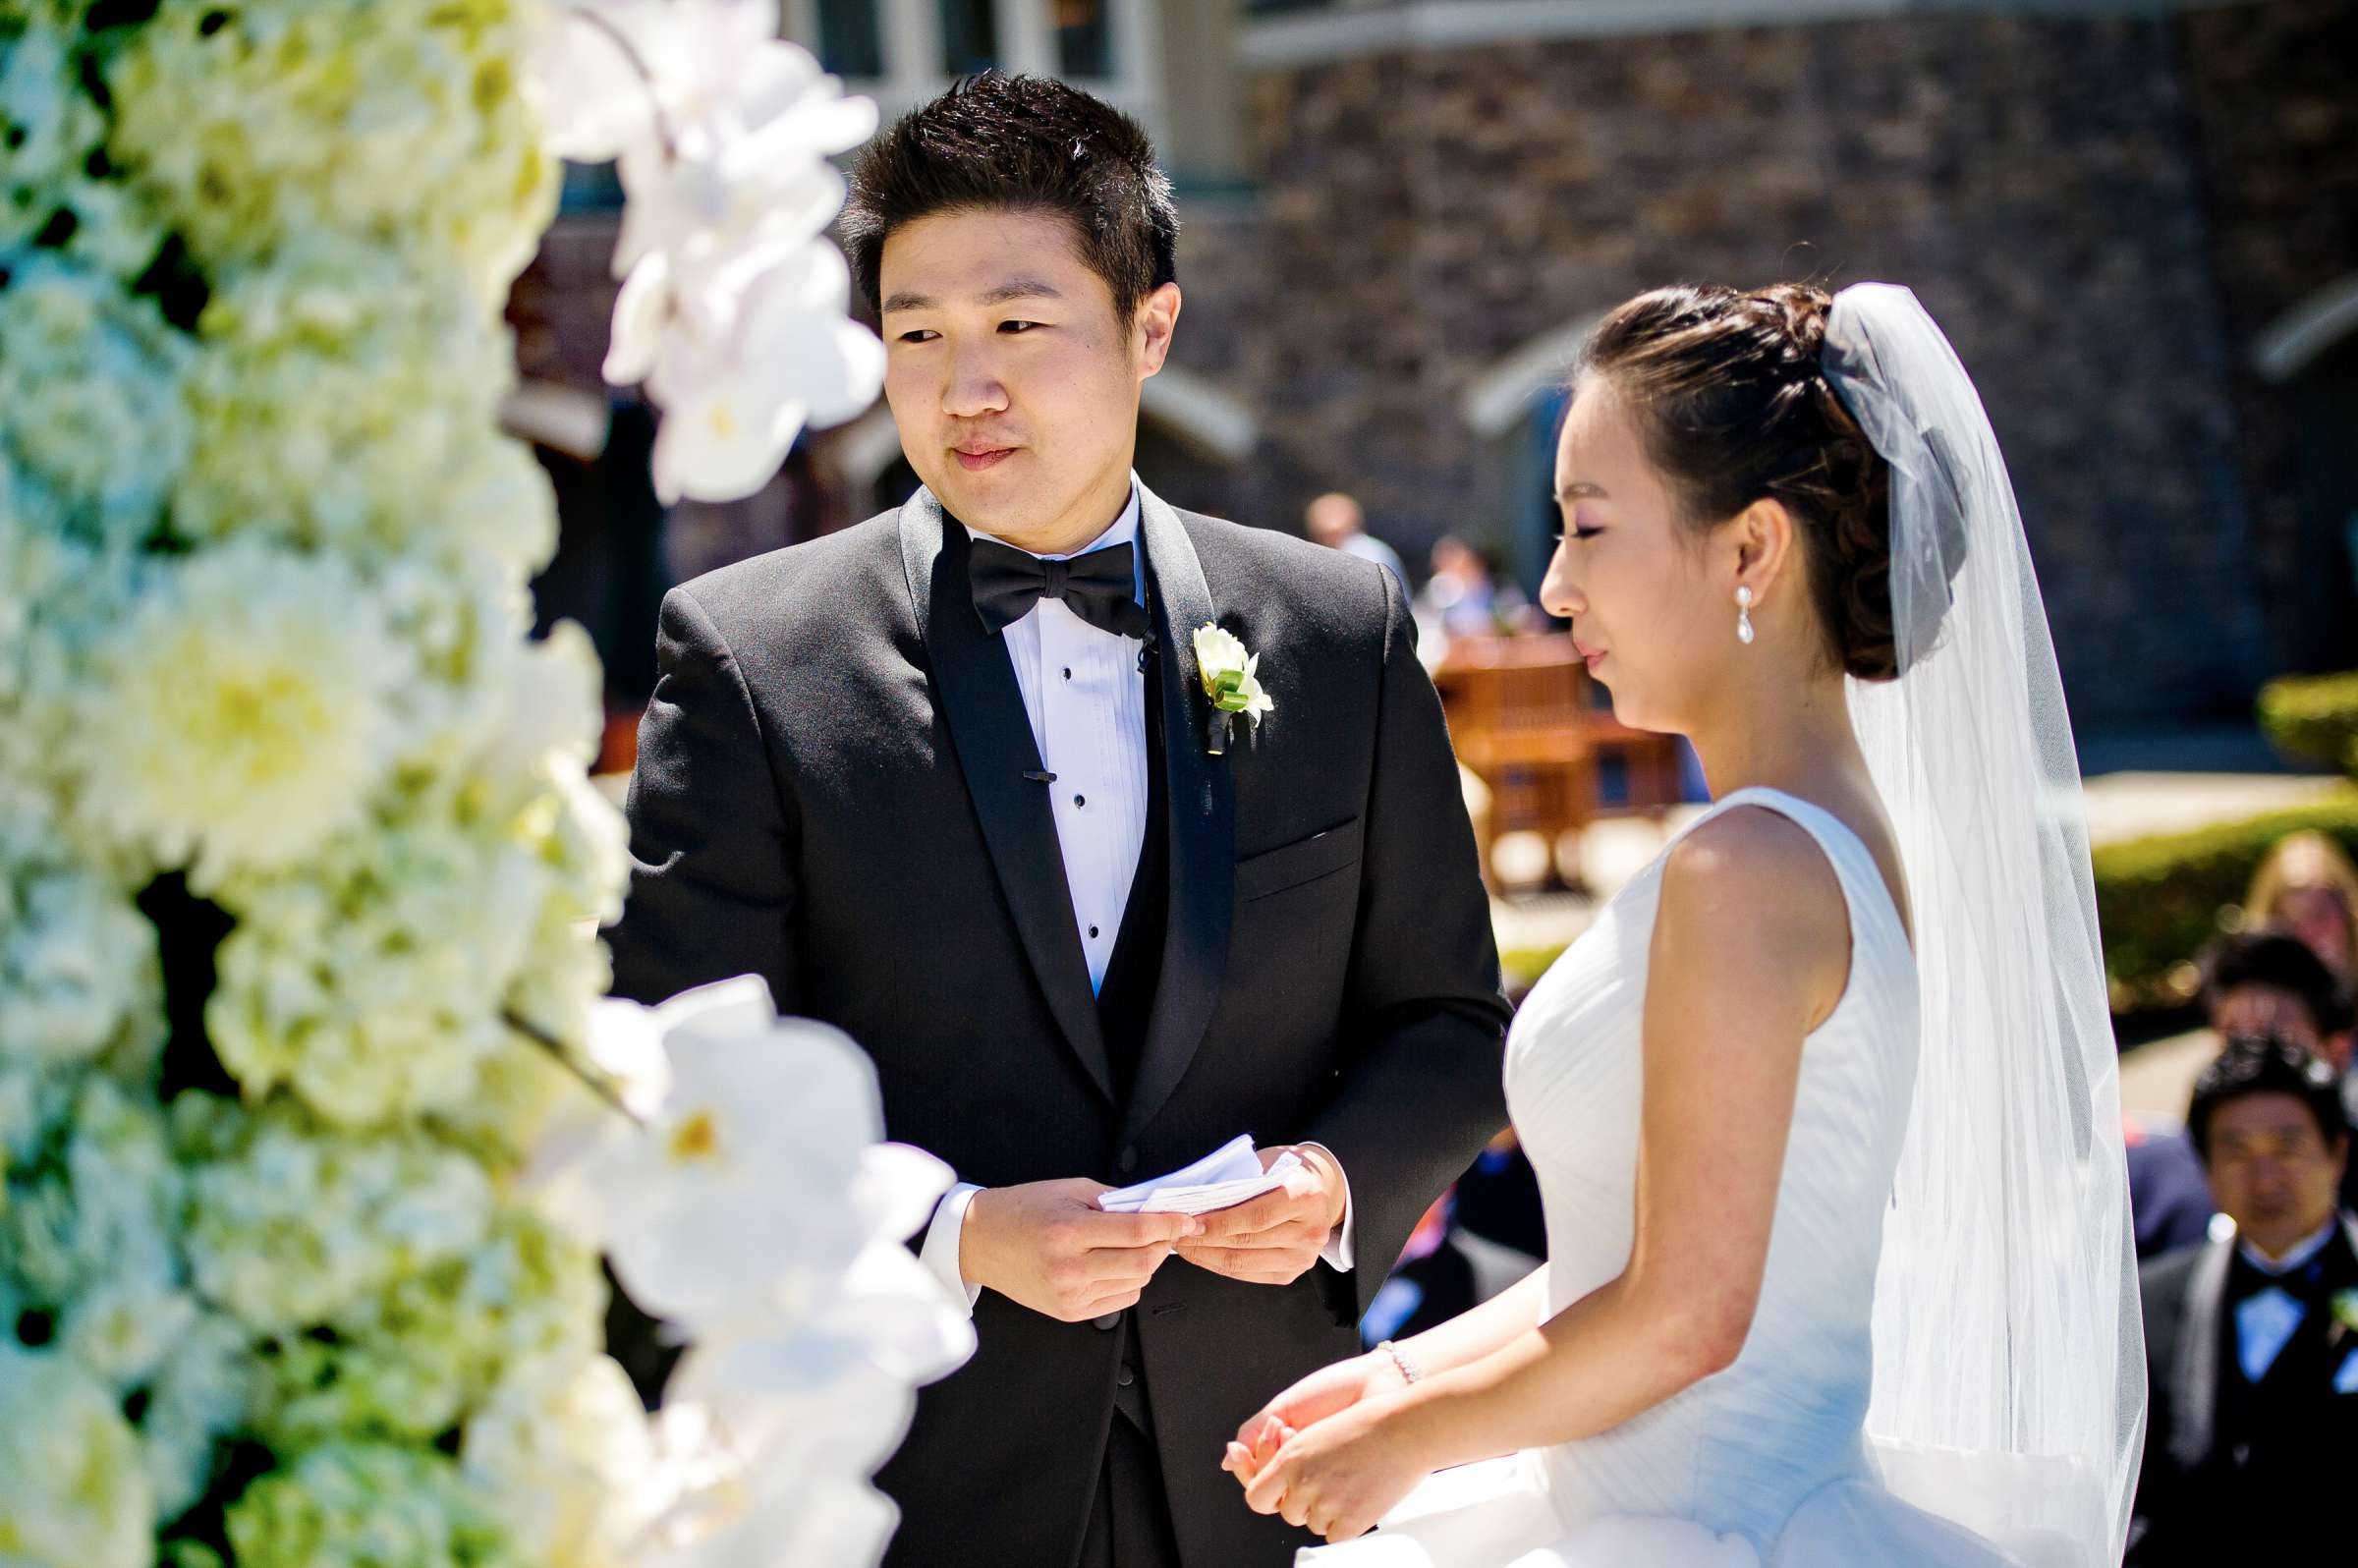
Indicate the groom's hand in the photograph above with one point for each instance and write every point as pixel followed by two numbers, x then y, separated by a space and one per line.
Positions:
pixel 1049 1246
pixel 1273 1239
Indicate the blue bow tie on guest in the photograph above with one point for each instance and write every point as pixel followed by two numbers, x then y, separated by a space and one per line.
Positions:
pixel 2273 1297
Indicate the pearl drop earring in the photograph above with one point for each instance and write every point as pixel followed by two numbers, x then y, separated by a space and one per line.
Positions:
pixel 1744 616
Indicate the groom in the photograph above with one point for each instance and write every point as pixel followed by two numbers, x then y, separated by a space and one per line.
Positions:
pixel 950 780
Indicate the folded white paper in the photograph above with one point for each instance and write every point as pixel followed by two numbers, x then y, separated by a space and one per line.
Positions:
pixel 1229 1175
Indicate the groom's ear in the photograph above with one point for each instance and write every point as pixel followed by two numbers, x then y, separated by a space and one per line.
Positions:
pixel 1152 329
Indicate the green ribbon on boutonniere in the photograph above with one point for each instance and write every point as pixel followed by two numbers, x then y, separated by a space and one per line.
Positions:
pixel 1230 682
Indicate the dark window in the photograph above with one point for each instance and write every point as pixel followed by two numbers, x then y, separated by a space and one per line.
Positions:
pixel 970 36
pixel 1083 38
pixel 850 42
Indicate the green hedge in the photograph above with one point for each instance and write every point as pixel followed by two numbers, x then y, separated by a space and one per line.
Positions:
pixel 1523 966
pixel 2314 718
pixel 2159 899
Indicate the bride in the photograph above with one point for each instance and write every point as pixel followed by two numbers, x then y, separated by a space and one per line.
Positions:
pixel 1824 1107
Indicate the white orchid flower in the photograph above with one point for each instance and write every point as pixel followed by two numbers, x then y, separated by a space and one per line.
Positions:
pixel 734 403
pixel 732 1197
pixel 746 127
pixel 583 65
pixel 723 1502
pixel 733 309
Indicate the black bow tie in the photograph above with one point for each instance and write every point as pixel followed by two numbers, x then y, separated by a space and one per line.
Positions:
pixel 1100 587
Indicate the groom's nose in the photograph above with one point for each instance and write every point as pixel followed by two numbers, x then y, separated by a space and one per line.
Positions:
pixel 975 388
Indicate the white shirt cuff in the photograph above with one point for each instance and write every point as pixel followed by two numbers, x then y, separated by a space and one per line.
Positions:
pixel 1336 1253
pixel 939 1253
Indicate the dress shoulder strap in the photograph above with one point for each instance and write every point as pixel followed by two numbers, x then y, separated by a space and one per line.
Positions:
pixel 1854 864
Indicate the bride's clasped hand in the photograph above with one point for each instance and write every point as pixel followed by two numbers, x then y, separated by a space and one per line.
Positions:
pixel 1330 1452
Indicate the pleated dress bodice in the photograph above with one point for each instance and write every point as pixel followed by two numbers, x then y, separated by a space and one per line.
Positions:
pixel 1740 1450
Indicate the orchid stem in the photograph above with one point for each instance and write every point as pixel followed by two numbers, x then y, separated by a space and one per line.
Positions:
pixel 598 1082
pixel 637 63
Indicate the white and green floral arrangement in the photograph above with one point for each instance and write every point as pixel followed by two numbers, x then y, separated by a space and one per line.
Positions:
pixel 314 1127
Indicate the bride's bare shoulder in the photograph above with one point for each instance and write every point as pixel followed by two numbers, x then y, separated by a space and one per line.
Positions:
pixel 1749 898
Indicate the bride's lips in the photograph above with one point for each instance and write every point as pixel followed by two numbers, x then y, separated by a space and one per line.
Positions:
pixel 1593 657
pixel 976 460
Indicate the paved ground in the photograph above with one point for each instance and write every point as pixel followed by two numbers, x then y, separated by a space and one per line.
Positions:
pixel 2133 804
pixel 2157 1077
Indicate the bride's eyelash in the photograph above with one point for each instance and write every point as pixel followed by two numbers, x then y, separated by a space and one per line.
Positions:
pixel 1578 534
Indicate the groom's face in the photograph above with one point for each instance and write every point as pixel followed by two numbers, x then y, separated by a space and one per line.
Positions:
pixel 1014 384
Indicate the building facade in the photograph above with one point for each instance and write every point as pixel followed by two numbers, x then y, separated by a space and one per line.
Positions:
pixel 2137 219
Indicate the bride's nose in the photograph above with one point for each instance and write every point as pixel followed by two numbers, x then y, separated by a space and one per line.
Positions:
pixel 1560 594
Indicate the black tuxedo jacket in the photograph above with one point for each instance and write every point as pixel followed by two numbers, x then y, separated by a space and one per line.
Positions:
pixel 2225 1461
pixel 831 794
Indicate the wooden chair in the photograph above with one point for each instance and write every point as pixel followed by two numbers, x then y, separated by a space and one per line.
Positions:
pixel 1528 721
pixel 1517 708
pixel 1651 765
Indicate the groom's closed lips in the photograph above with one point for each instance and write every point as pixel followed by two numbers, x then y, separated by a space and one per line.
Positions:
pixel 974 459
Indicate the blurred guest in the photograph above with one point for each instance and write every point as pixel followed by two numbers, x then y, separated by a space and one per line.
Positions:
pixel 1480 1236
pixel 1431 1283
pixel 1462 597
pixel 2251 1339
pixel 2308 889
pixel 1498 1199
pixel 1335 521
pixel 2268 982
pixel 2252 983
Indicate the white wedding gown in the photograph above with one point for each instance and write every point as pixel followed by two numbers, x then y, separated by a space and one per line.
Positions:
pixel 1767 1462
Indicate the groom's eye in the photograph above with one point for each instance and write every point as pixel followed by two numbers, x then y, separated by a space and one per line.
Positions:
pixel 1017 326
pixel 919 335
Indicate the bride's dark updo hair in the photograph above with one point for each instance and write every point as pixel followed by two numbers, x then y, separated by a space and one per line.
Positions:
pixel 1733 407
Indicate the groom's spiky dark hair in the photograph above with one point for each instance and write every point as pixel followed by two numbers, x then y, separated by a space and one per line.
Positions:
pixel 1021 144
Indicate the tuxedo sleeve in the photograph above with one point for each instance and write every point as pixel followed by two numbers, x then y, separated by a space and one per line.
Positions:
pixel 712 887
pixel 1424 1020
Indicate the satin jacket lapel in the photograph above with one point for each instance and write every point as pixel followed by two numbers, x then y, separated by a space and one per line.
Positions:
pixel 1202 822
pixel 2195 1379
pixel 975 682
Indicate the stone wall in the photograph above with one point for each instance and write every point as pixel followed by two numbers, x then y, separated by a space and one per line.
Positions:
pixel 2273 98
pixel 2104 211
pixel 2040 181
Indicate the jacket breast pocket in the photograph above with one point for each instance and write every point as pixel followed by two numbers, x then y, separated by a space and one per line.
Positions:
pixel 1305 859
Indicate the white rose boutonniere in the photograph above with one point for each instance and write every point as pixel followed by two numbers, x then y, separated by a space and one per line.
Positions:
pixel 1229 681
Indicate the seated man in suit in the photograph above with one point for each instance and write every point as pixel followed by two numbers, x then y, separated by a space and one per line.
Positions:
pixel 2253 984
pixel 2251 1340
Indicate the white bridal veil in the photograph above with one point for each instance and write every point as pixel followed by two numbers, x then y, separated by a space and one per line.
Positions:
pixel 2009 1371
